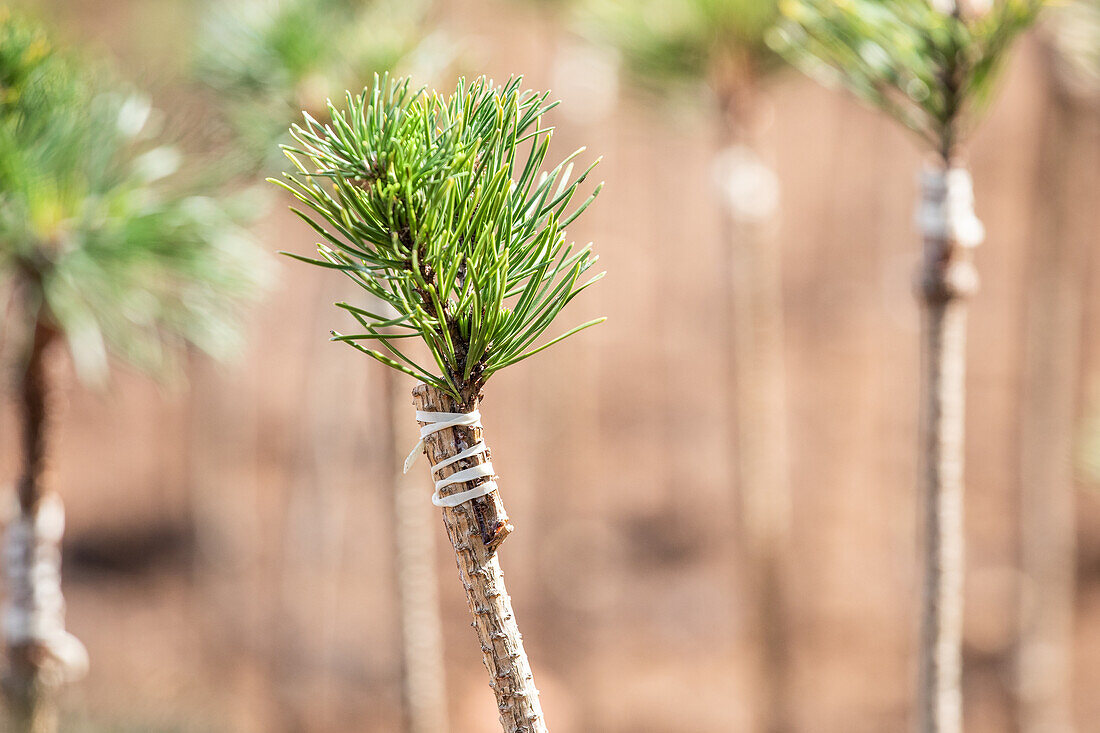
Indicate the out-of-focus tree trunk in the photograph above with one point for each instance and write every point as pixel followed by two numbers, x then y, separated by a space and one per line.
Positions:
pixel 424 691
pixel 1044 653
pixel 947 280
pixel 758 407
pixel 27 688
pixel 940 706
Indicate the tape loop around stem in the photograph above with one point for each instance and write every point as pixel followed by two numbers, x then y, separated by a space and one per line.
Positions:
pixel 34 608
pixel 437 421
pixel 946 209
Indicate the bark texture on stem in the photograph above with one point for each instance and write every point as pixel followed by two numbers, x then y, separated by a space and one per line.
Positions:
pixel 473 532
pixel 424 690
pixel 942 447
pixel 27 684
pixel 947 279
pixel 34 406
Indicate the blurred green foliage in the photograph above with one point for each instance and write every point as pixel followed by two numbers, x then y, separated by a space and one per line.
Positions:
pixel 99 234
pixel 925 63
pixel 439 207
pixel 670 42
pixel 270 59
pixel 1075 34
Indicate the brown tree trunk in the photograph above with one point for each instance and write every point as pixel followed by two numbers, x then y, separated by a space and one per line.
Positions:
pixel 475 529
pixel 1044 653
pixel 758 397
pixel 424 690
pixel 27 687
pixel 947 279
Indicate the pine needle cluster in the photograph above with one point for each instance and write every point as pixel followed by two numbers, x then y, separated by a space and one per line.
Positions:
pixel 925 63
pixel 99 237
pixel 439 207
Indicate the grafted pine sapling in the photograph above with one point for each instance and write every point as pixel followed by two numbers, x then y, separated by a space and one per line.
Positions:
pixel 928 65
pixel 102 250
pixel 440 208
pixel 1055 300
pixel 716 50
pixel 268 59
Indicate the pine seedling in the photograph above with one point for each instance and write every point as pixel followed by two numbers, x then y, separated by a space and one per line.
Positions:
pixel 101 250
pixel 716 50
pixel 930 66
pixel 440 208
pixel 267 59
pixel 1049 401
pixel 270 58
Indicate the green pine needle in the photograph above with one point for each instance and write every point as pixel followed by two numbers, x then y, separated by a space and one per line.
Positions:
pixel 919 63
pixel 271 58
pixel 666 43
pixel 96 233
pixel 440 208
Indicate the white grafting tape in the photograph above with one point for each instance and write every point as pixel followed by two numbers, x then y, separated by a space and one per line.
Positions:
pixel 436 421
pixel 946 209
pixel 34 608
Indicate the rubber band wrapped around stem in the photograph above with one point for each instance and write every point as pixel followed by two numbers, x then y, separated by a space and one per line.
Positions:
pixel 436 421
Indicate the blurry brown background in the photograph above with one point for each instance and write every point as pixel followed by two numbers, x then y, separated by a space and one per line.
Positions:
pixel 229 553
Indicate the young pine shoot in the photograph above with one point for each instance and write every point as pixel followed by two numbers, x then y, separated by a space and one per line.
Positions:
pixel 442 210
pixel 717 50
pixel 267 59
pixel 931 66
pixel 100 250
